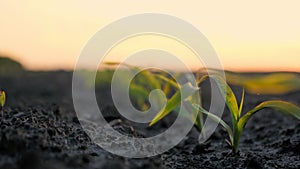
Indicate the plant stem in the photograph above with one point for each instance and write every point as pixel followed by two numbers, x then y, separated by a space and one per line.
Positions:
pixel 236 140
pixel 200 116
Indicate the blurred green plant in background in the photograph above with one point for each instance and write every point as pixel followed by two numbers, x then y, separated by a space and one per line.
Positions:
pixel 9 67
pixel 269 83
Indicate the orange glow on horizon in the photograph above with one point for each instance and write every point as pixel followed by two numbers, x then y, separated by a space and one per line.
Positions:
pixel 247 36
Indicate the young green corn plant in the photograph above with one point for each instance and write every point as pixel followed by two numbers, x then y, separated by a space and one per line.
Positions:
pixel 173 90
pixel 2 101
pixel 140 85
pixel 238 121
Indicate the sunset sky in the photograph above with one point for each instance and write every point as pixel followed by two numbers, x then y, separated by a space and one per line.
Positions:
pixel 247 36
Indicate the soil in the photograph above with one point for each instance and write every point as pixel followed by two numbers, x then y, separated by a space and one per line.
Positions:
pixel 40 130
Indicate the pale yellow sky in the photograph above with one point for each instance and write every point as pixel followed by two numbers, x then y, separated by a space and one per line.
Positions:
pixel 252 35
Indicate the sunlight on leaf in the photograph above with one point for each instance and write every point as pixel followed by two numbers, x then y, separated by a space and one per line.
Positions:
pixel 242 103
pixel 228 96
pixel 187 89
pixel 282 106
pixel 2 98
pixel 167 80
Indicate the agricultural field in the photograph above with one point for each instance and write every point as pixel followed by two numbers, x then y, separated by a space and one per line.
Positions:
pixel 40 129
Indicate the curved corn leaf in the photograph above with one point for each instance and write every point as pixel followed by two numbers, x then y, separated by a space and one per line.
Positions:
pixel 242 103
pixel 198 115
pixel 118 63
pixel 138 91
pixel 232 105
pixel 2 98
pixel 228 95
pixel 217 120
pixel 200 123
pixel 170 105
pixel 149 77
pixel 199 81
pixel 140 96
pixel 167 80
pixel 187 89
pixel 192 114
pixel 282 106
pixel 112 63
pixel 167 88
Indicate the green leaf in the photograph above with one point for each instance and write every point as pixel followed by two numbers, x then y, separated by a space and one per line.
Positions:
pixel 198 115
pixel 167 88
pixel 112 63
pixel 146 77
pixel 138 91
pixel 2 98
pixel 190 112
pixel 282 106
pixel 228 95
pixel 232 105
pixel 199 81
pixel 217 120
pixel 242 103
pixel 149 77
pixel 187 89
pixel 139 96
pixel 118 63
pixel 167 80
pixel 170 105
pixel 153 82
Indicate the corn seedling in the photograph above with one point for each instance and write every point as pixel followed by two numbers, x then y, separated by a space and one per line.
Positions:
pixel 239 121
pixel 166 84
pixel 2 101
pixel 172 90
